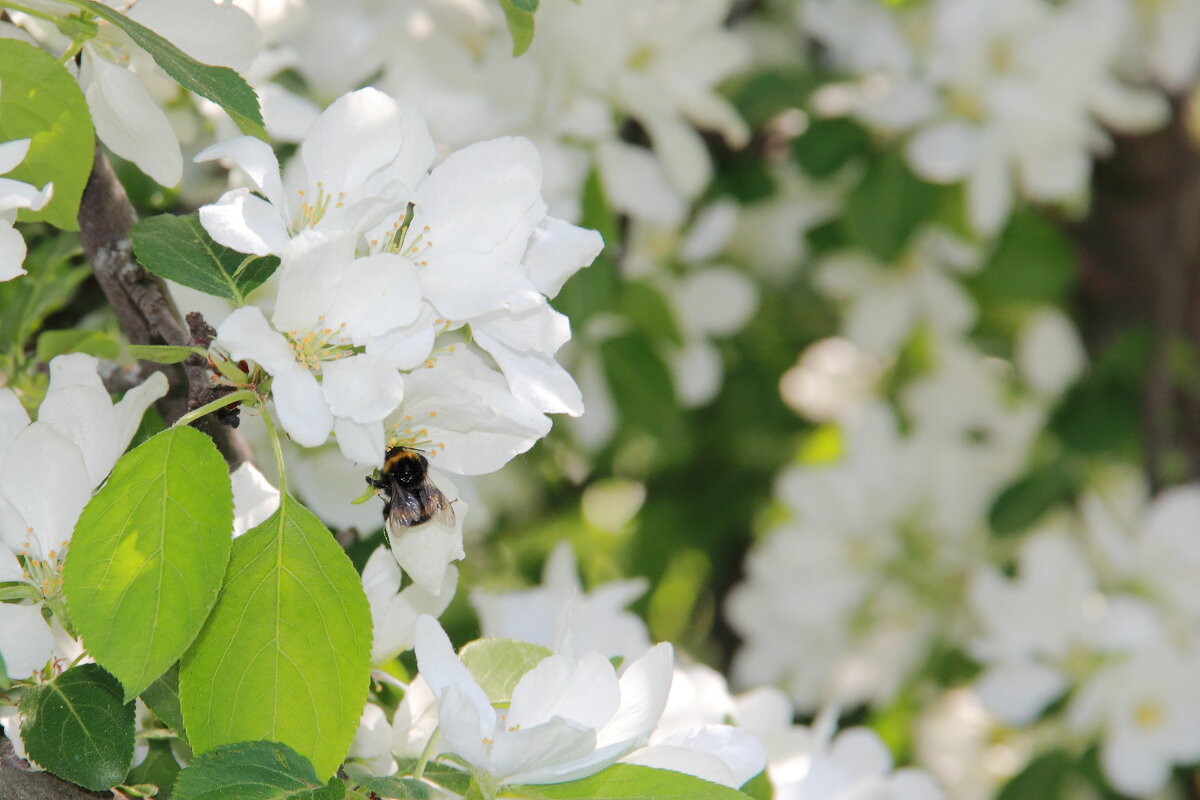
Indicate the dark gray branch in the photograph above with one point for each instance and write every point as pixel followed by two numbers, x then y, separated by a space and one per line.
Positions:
pixel 140 300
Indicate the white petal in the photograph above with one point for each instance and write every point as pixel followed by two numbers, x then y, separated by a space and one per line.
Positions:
pixel 50 509
pixel 990 188
pixel 10 567
pixel 26 642
pixel 362 442
pixel 1017 692
pixel 584 691
pixel 16 194
pixel 944 153
pixel 485 198
pixel 406 348
pixel 13 417
pixel 634 182
pixel 376 294
pixel 212 33
pixel 12 252
pixel 286 116
pixel 535 378
pixel 362 387
pixel 359 134
pixel 394 615
pixel 716 301
pixel 425 551
pixel 246 334
pixel 531 755
pixel 254 157
pixel 645 684
pixel 682 153
pixel 128 121
pixel 301 406
pixel 463 285
pixel 441 669
pixel 557 250
pixel 697 370
pixel 245 223
pixel 12 153
pixel 254 498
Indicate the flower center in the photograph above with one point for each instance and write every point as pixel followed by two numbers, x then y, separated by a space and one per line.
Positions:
pixel 319 344
pixel 1148 714
pixel 313 212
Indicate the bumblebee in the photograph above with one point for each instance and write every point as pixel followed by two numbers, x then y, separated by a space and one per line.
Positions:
pixel 410 498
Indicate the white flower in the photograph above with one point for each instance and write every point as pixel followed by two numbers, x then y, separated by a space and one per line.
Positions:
pixel 569 717
pixel 886 302
pixel 77 438
pixel 15 195
pixel 813 610
pixel 984 90
pixel 329 306
pixel 358 163
pixel 598 623
pixel 113 71
pixel 1041 626
pixel 467 246
pixel 373 741
pixel 1148 710
pixel 394 611
pixel 691 737
pixel 812 764
pixel 1049 352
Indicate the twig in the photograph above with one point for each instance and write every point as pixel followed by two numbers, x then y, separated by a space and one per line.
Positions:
pixel 140 300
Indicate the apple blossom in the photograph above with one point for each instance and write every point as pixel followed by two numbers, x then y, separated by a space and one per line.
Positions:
pixel 78 437
pixel 15 195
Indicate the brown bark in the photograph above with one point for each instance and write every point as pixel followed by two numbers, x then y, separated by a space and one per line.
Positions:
pixel 140 300
pixel 1141 253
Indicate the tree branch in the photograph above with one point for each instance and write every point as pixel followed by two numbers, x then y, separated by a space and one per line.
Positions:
pixel 18 783
pixel 143 307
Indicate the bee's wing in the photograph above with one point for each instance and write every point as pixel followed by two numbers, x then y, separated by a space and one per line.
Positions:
pixel 438 509
pixel 424 504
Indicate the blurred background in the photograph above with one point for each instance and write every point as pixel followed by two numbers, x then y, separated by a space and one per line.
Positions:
pixel 890 361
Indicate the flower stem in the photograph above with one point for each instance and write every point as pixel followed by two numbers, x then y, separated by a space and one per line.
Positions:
pixel 241 395
pixel 273 435
pixel 33 12
pixel 427 753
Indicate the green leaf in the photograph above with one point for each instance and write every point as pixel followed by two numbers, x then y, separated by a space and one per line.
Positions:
pixel 394 787
pixel 285 654
pixel 78 727
pixel 5 683
pixel 629 782
pixel 828 144
pixel 220 84
pixel 453 779
pixel 254 771
pixel 1033 262
pixel 887 206
pixel 40 101
pixel 497 664
pixel 148 555
pixel 1042 779
pixel 179 249
pixel 163 353
pixel 94 343
pixel 643 389
pixel 162 696
pixel 158 768
pixel 759 787
pixel 1026 499
pixel 649 311
pixel 519 16
pixel 53 278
